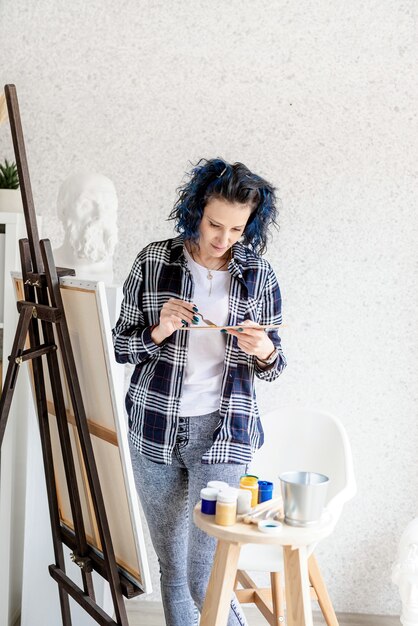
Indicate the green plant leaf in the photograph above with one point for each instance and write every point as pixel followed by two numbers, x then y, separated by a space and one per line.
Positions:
pixel 9 177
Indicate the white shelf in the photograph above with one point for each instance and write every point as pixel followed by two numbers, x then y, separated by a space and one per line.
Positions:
pixel 7 217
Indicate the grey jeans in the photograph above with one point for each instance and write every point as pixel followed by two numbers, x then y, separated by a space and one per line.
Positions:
pixel 168 494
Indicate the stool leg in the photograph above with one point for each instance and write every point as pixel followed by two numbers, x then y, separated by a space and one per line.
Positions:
pixel 298 601
pixel 217 602
pixel 318 584
pixel 277 597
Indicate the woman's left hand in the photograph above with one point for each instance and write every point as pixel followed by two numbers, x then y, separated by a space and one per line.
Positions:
pixel 253 340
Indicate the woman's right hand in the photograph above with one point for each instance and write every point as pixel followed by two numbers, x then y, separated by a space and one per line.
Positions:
pixel 173 316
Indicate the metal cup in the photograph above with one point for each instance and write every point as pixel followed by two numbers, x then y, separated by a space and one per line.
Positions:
pixel 304 495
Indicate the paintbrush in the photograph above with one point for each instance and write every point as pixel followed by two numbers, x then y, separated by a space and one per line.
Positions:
pixel 266 327
pixel 263 509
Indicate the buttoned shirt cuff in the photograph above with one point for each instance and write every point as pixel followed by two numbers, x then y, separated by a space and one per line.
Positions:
pixel 271 372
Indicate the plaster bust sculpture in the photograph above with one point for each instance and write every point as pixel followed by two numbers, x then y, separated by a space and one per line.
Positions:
pixel 87 206
pixel 405 574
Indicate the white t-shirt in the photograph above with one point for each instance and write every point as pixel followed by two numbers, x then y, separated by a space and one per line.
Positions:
pixel 203 376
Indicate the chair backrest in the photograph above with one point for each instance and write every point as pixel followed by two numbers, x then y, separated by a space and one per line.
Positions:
pixel 306 440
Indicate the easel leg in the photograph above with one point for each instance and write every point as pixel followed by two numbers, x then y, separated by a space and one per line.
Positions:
pixel 298 601
pixel 46 445
pixel 44 429
pixel 13 368
pixel 221 584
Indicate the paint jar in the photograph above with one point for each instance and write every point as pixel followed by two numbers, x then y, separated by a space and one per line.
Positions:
pixel 226 507
pixel 265 490
pixel 217 484
pixel 244 501
pixel 208 497
pixel 250 482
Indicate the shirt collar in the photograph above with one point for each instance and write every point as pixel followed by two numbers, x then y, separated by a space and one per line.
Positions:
pixel 176 253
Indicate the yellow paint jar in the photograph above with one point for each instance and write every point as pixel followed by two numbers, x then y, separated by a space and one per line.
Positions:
pixel 250 482
pixel 226 507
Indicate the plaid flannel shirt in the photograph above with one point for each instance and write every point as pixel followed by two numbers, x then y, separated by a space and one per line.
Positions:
pixel 160 272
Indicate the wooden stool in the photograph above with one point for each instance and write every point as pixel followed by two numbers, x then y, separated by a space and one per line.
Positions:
pixel 230 538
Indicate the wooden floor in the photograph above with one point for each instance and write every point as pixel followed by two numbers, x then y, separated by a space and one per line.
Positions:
pixel 151 614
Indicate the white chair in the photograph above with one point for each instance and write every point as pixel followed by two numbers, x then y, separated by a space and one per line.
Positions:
pixel 307 440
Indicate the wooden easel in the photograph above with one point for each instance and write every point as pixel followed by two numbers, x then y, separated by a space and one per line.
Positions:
pixel 42 310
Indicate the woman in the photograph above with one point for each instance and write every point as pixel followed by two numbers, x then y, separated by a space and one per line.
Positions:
pixel 192 409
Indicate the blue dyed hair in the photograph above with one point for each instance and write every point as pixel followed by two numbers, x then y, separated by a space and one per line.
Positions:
pixel 215 178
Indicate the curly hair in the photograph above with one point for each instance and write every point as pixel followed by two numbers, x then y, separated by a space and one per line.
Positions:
pixel 215 178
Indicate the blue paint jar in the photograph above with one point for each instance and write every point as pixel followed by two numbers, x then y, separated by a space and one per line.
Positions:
pixel 208 496
pixel 265 490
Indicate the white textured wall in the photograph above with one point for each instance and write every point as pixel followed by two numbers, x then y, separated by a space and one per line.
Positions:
pixel 321 98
